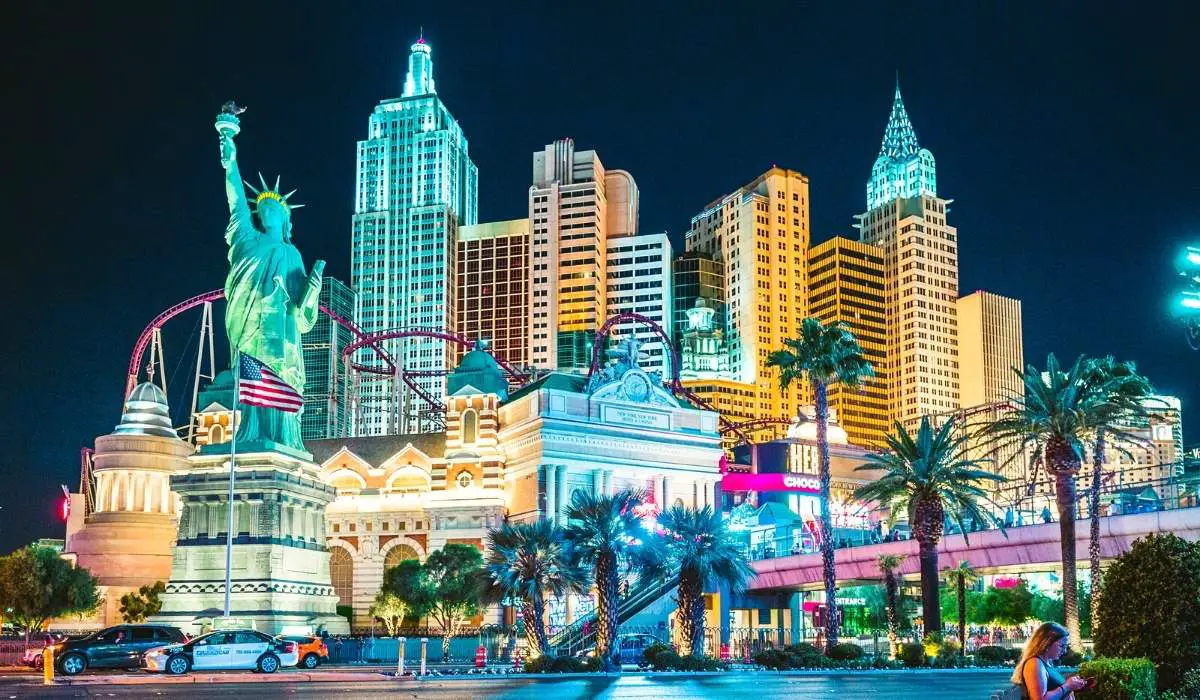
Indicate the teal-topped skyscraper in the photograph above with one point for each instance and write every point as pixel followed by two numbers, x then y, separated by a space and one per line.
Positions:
pixel 903 169
pixel 416 185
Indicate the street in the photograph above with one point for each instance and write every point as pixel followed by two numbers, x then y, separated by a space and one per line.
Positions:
pixel 922 685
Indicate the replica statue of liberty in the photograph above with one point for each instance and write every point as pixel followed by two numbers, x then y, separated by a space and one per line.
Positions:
pixel 270 301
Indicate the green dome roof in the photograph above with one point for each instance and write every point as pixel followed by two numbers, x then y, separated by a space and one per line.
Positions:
pixel 478 369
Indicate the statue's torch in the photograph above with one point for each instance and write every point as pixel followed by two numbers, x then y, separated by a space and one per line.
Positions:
pixel 228 123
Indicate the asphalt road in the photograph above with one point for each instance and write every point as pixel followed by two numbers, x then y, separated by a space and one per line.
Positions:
pixel 956 685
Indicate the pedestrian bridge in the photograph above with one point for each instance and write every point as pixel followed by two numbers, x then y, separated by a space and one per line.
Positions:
pixel 1019 549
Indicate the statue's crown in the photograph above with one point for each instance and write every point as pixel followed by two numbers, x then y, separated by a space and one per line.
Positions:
pixel 271 193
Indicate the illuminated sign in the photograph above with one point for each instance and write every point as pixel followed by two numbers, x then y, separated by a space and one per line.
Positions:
pixel 741 481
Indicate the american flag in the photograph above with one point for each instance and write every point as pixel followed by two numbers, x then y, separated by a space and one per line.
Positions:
pixel 259 386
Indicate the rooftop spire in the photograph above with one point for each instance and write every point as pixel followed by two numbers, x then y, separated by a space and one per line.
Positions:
pixel 419 80
pixel 899 139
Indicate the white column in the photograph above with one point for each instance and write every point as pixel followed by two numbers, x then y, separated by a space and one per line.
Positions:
pixel 147 493
pixel 128 491
pixel 551 491
pixel 560 500
pixel 164 493
pixel 101 491
pixel 708 494
pixel 598 481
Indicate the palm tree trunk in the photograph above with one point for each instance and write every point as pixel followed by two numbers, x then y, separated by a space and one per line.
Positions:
pixel 827 563
pixel 607 600
pixel 962 615
pixel 892 592
pixel 1094 522
pixel 1064 491
pixel 533 615
pixel 931 610
pixel 691 612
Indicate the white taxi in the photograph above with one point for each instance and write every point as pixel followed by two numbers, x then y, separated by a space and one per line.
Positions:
pixel 223 650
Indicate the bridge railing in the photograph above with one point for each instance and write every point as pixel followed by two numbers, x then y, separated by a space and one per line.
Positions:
pixel 1168 493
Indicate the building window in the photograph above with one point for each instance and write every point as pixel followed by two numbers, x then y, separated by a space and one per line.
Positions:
pixel 397 554
pixel 464 479
pixel 470 427
pixel 216 434
pixel 341 575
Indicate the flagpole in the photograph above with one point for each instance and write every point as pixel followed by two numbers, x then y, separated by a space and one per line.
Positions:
pixel 237 391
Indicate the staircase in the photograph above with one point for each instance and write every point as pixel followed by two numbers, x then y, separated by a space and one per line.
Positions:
pixel 573 638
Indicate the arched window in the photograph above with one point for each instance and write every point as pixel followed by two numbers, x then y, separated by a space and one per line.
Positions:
pixel 470 427
pixel 397 554
pixel 216 434
pixel 341 574
pixel 346 481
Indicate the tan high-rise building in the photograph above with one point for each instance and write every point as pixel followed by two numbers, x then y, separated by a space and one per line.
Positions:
pixel 575 207
pixel 847 284
pixel 761 233
pixel 907 220
pixel 989 348
pixel 492 283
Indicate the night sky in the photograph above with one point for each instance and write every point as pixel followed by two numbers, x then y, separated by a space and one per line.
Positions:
pixel 1067 140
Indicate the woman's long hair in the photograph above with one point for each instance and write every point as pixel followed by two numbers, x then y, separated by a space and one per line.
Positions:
pixel 1043 637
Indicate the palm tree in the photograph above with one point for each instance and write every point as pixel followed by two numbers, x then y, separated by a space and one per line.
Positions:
pixel 1129 391
pixel 960 577
pixel 1060 410
pixel 888 563
pixel 697 541
pixel 602 532
pixel 824 355
pixel 529 561
pixel 928 478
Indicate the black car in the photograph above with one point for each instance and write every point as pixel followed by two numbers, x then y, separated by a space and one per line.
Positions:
pixel 114 647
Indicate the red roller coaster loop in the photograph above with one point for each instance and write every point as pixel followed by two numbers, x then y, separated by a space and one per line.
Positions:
pixel 139 348
pixel 602 335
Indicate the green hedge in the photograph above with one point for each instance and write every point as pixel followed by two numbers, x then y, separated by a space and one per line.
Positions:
pixel 1119 679
pixel 991 654
pixel 562 664
pixel 1187 689
pixel 663 657
pixel 845 652
pixel 912 654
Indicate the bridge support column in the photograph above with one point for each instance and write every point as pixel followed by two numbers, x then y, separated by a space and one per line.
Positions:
pixel 796 610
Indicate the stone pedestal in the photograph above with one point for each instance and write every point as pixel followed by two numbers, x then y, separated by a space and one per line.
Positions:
pixel 280 577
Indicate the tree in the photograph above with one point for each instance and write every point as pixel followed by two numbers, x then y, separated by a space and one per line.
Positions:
pixel 37 585
pixel 1149 607
pixel 929 479
pixel 389 609
pixel 447 588
pixel 824 355
pixel 888 563
pixel 1060 410
pixel 142 603
pixel 960 577
pixel 1006 606
pixel 528 561
pixel 697 541
pixel 601 531
pixel 1129 390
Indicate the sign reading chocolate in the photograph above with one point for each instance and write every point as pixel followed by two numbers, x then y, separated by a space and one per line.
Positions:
pixel 742 481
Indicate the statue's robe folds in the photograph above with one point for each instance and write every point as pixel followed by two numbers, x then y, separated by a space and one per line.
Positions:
pixel 265 317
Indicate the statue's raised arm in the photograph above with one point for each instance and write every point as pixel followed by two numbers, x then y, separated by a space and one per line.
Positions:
pixel 228 126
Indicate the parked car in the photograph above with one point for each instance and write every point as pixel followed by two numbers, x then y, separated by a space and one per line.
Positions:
pixel 633 647
pixel 223 650
pixel 311 650
pixel 113 647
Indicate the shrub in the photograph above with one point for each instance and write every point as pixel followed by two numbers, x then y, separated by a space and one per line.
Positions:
pixel 663 657
pixel 1164 627
pixel 991 654
pixel 1187 689
pixel 948 648
pixel 912 654
pixel 774 659
pixel 845 652
pixel 803 649
pixel 1120 679
pixel 1070 658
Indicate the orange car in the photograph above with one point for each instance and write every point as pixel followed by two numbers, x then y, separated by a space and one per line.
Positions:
pixel 312 650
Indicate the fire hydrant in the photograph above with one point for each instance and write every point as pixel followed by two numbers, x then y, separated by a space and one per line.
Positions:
pixel 481 657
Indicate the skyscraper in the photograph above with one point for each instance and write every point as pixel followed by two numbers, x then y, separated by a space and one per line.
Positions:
pixel 907 220
pixel 493 287
pixel 639 281
pixel 415 186
pixel 847 284
pixel 696 275
pixel 760 232
pixel 575 207
pixel 325 402
pixel 989 348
